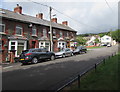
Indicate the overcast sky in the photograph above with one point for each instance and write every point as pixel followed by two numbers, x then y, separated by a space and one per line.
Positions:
pixel 88 16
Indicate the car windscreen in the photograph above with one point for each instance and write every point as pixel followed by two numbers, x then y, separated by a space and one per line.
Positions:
pixel 24 51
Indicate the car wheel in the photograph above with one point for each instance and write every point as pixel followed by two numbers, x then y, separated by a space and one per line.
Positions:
pixel 80 52
pixel 63 55
pixel 52 57
pixel 71 54
pixel 34 60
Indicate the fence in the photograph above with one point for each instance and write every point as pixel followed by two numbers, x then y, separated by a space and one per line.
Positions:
pixel 78 77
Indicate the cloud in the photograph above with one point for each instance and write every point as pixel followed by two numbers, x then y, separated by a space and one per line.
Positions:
pixel 91 17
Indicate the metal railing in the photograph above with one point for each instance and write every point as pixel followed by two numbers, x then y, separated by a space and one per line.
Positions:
pixel 78 77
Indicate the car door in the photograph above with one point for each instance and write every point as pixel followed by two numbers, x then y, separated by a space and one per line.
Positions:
pixel 40 54
pixel 67 52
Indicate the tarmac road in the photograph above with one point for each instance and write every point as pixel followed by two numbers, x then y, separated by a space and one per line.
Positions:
pixel 52 74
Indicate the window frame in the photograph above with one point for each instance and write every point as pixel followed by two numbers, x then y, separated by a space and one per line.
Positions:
pixel 34 28
pixel 4 27
pixel 44 31
pixel 20 27
pixel 61 34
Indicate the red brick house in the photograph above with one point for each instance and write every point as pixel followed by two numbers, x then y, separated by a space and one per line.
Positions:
pixel 20 32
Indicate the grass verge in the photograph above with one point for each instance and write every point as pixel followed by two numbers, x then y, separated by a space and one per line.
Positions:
pixel 105 77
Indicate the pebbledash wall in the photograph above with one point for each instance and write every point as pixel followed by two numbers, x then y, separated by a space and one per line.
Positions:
pixel 20 32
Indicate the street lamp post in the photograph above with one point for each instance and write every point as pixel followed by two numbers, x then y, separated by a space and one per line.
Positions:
pixel 51 34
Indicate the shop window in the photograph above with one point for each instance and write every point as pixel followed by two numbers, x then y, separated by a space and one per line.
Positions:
pixel 2 28
pixel 19 30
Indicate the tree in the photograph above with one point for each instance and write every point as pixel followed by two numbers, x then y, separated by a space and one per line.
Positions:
pixel 96 40
pixel 80 40
pixel 116 35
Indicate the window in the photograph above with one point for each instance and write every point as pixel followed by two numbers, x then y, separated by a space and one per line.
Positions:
pixel 34 32
pixel 19 46
pixel 61 34
pixel 12 45
pixel 67 34
pixel 107 38
pixel 61 44
pixel 0 45
pixel 54 33
pixel 44 44
pixel 2 27
pixel 44 32
pixel 19 30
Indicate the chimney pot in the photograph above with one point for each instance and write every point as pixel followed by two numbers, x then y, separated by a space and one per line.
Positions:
pixel 39 15
pixel 18 9
pixel 65 23
pixel 54 20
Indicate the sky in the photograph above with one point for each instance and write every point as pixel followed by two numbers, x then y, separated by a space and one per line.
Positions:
pixel 84 16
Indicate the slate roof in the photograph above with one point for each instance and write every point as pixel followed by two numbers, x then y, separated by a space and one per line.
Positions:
pixel 30 19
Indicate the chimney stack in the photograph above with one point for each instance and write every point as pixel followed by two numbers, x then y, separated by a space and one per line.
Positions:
pixel 39 15
pixel 65 23
pixel 54 20
pixel 18 9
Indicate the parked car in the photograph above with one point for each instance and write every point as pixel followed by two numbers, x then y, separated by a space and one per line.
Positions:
pixel 65 52
pixel 80 49
pixel 34 55
pixel 109 45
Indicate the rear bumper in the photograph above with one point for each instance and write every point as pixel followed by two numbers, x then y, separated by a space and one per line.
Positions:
pixel 22 60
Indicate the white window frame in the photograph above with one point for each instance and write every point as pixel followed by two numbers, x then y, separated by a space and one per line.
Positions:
pixel 44 32
pixel 16 45
pixel 60 44
pixel 34 29
pixel 61 34
pixel 20 27
pixel 4 28
pixel 44 44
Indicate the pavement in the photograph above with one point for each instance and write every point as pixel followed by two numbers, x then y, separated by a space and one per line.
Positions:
pixel 51 75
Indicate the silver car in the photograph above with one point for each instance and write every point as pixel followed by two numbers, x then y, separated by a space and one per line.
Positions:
pixel 65 52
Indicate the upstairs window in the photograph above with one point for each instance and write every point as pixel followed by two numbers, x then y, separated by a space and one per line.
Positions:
pixel 44 32
pixel 54 33
pixel 34 32
pixel 19 30
pixel 67 34
pixel 0 45
pixel 61 34
pixel 2 28
pixel 107 38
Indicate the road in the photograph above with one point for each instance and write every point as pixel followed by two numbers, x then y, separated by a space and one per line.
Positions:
pixel 51 75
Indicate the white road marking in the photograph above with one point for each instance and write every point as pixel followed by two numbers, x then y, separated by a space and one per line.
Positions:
pixel 7 67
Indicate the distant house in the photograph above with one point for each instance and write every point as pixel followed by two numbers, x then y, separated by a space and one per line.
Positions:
pixel 107 40
pixel 92 42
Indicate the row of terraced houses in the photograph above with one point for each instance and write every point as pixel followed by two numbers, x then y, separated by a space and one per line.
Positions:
pixel 20 32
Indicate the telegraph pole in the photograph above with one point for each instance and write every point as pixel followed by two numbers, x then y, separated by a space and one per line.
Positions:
pixel 51 34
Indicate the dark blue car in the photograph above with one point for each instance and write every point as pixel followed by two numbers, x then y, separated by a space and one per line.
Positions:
pixel 34 55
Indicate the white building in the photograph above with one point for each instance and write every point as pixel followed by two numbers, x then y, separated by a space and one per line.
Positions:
pixel 106 40
pixel 92 40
